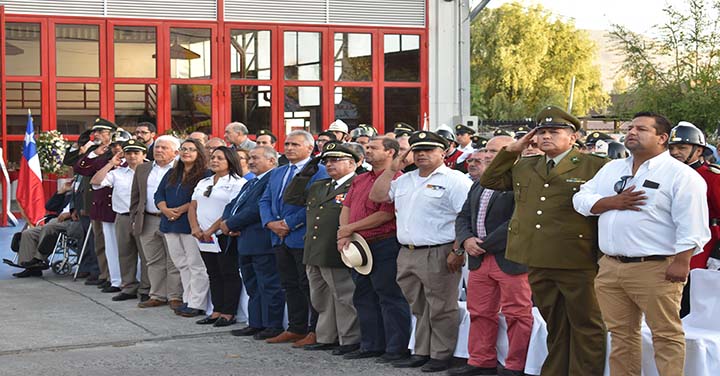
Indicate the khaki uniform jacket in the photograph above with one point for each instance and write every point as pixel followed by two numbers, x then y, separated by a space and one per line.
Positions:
pixel 545 231
pixel 323 219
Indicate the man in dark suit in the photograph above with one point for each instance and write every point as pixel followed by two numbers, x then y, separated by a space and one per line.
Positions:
pixel 494 283
pixel 331 284
pixel 287 223
pixel 257 260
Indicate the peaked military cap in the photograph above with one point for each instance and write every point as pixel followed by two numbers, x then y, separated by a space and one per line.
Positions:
pixel 555 117
pixel 461 128
pixel 403 129
pixel 263 132
pixel 478 142
pixel 502 132
pixel 134 145
pixel 593 137
pixel 427 140
pixel 336 149
pixel 520 132
pixel 103 124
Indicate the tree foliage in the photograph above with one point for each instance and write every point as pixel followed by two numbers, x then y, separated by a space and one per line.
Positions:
pixel 677 72
pixel 523 59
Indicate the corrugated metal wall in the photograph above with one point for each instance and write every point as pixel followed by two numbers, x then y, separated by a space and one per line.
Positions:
pixel 378 12
pixel 172 9
pixel 294 11
pixel 58 7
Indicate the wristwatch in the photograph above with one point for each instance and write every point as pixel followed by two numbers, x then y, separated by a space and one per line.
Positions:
pixel 459 252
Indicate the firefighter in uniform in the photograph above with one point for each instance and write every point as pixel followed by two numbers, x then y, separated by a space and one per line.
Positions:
pixel 687 144
pixel 557 244
pixel 453 154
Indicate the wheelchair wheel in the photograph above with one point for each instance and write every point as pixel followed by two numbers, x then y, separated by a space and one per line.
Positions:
pixel 61 267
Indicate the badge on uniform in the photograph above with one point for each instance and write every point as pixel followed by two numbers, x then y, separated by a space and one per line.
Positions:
pixel 575 180
pixel 435 187
pixel 339 199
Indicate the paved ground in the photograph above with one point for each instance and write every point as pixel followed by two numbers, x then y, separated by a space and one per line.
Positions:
pixel 52 325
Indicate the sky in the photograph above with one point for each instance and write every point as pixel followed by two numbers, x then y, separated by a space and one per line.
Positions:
pixel 639 16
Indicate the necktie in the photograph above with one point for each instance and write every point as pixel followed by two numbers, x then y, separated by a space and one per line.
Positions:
pixel 242 194
pixel 288 177
pixel 550 165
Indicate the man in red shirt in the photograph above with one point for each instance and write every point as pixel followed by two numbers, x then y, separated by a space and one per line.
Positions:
pixel 687 144
pixel 382 309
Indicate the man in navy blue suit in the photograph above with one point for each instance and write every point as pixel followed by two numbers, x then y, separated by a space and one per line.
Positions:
pixel 257 260
pixel 287 224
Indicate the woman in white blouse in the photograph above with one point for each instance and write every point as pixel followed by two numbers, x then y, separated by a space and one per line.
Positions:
pixel 209 199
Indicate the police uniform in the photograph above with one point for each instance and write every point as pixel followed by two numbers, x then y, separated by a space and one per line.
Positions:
pixel 331 285
pixel 559 247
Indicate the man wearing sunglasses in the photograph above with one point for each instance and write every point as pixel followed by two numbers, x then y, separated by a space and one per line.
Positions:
pixel 555 242
pixel 653 216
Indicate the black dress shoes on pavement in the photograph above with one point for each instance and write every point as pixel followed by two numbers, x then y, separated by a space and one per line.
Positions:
pixel 94 281
pixel 221 322
pixel 35 263
pixel 105 284
pixel 436 365
pixel 246 331
pixel 411 362
pixel 268 333
pixel 111 289
pixel 123 296
pixel 345 349
pixel 362 354
pixel 468 370
pixel 390 357
pixel 144 298
pixel 321 346
pixel 28 273
pixel 208 320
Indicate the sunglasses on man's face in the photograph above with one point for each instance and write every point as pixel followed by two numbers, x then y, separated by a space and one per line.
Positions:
pixel 620 184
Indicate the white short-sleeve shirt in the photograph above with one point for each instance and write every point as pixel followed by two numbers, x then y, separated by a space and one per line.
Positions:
pixel 210 208
pixel 120 179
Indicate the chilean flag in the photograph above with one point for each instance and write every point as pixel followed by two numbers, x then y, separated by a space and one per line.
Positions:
pixel 30 195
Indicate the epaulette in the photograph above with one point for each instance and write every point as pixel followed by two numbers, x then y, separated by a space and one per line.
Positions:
pixel 531 156
pixel 714 168
pixel 599 155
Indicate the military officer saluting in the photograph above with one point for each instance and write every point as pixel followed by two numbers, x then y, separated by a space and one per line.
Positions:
pixel 555 242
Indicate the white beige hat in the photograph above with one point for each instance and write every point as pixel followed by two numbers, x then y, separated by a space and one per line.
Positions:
pixel 357 255
pixel 338 126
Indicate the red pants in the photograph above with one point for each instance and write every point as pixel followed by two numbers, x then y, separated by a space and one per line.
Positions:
pixel 489 291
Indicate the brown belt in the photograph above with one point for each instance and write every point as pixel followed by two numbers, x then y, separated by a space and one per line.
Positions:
pixel 626 260
pixel 380 237
pixel 153 214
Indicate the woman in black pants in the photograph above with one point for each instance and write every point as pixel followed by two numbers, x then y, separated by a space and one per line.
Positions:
pixel 211 196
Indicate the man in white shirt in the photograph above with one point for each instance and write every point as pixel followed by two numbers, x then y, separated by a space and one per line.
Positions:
pixel 653 217
pixel 427 202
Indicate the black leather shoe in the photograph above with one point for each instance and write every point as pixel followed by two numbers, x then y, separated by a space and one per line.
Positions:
pixel 207 320
pixel 28 273
pixel 144 298
pixel 111 289
pixel 346 349
pixel 362 354
pixel 392 357
pixel 105 284
pixel 221 322
pixel 468 370
pixel 436 365
pixel 321 346
pixel 268 333
pixel 246 331
pixel 123 296
pixel 34 263
pixel 411 362
pixel 94 282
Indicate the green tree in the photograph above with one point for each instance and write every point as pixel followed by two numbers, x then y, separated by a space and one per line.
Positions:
pixel 676 73
pixel 523 59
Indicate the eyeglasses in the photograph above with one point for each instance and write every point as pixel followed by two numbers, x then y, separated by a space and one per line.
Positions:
pixel 473 160
pixel 188 150
pixel 333 160
pixel 208 191
pixel 620 184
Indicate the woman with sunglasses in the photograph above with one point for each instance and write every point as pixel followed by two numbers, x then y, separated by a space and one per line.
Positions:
pixel 173 199
pixel 211 196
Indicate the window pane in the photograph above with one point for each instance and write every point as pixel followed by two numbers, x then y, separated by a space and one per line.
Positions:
pixel 78 105
pixel 353 105
pixel 135 103
pixel 353 57
pixel 77 50
pixel 302 55
pixel 190 53
pixel 402 104
pixel 20 97
pixel 303 109
pixel 250 54
pixel 134 51
pixel 251 106
pixel 191 108
pixel 22 49
pixel 402 57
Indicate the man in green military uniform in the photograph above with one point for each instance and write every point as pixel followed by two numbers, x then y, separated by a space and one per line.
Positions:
pixel 556 243
pixel 331 285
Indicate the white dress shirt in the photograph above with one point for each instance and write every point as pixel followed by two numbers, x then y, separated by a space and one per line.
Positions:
pixel 154 178
pixel 120 179
pixel 426 207
pixel 209 209
pixel 675 215
pixel 343 179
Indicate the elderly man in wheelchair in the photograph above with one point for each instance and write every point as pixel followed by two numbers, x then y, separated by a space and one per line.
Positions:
pixel 37 242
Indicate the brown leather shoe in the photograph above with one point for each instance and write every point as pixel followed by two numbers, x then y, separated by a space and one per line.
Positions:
pixel 285 337
pixel 175 303
pixel 150 303
pixel 310 339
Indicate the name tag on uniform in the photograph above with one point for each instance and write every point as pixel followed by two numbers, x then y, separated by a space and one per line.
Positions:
pixel 435 187
pixel 651 184
pixel 575 180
